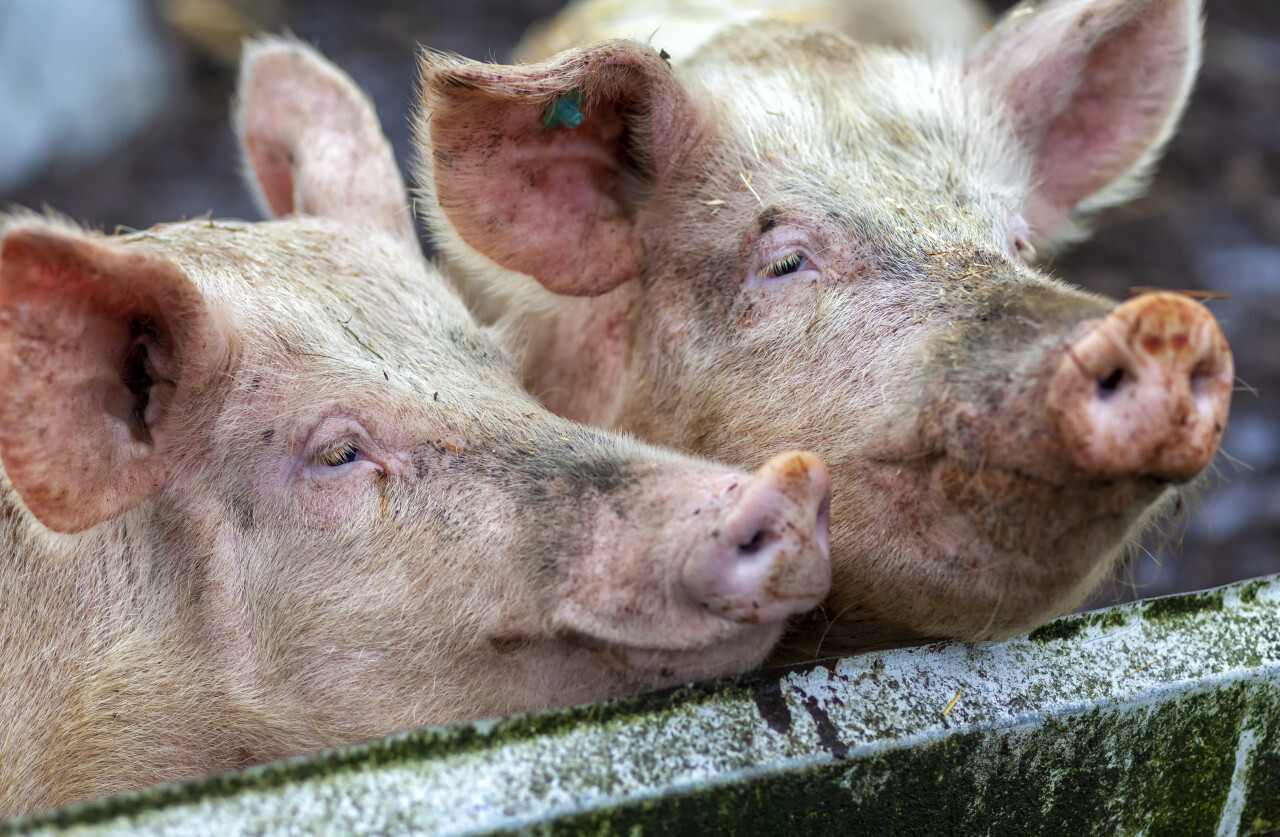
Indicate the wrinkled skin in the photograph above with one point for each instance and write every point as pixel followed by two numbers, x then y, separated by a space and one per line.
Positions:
pixel 268 488
pixel 791 239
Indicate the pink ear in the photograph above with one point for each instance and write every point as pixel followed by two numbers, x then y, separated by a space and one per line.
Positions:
pixel 313 142
pixel 93 349
pixel 543 167
pixel 1094 88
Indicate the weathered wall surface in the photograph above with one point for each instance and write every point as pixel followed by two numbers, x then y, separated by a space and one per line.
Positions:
pixel 1161 717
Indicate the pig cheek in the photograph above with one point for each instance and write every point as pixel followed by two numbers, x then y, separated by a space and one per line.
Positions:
pixel 334 505
pixel 609 600
pixel 229 614
pixel 373 603
pixel 787 312
pixel 630 596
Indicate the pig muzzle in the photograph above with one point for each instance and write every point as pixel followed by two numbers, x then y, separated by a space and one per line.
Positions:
pixel 768 558
pixel 1145 390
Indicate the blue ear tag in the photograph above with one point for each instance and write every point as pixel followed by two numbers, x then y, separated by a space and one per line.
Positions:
pixel 565 112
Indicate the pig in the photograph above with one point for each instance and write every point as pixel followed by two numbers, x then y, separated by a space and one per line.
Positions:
pixel 791 239
pixel 269 488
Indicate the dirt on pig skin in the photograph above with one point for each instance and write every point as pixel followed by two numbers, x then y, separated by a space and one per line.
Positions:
pixel 815 242
pixel 268 488
pixel 1211 221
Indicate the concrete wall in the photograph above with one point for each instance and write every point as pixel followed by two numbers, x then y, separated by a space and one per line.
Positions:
pixel 1161 717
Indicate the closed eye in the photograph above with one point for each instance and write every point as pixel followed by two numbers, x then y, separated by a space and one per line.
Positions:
pixel 784 266
pixel 339 455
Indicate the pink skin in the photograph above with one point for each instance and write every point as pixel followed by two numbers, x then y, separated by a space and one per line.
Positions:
pixel 750 576
pixel 789 240
pixel 268 488
pixel 1145 390
pixel 744 551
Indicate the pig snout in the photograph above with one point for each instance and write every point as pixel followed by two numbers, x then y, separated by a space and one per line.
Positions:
pixel 1145 390
pixel 768 559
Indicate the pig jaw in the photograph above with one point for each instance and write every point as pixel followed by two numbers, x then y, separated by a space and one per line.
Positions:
pixel 1032 467
pixel 940 552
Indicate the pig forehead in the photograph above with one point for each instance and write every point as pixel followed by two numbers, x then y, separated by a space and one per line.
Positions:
pixel 235 260
pixel 309 287
pixel 899 216
pixel 881 123
pixel 826 81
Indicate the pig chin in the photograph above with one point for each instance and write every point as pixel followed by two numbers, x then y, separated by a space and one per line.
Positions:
pixel 983 552
pixel 653 667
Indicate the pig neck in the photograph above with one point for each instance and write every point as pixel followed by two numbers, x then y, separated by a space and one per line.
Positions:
pixel 576 350
pixel 100 687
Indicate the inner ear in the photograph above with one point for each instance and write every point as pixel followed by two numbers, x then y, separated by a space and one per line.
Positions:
pixel 272 166
pixel 544 168
pixel 1094 88
pixel 96 343
pixel 552 203
pixel 312 141
pixel 142 374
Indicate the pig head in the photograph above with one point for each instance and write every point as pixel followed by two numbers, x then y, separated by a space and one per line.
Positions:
pixel 791 239
pixel 268 488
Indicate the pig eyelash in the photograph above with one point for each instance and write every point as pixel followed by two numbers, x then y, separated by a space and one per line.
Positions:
pixel 785 265
pixel 340 455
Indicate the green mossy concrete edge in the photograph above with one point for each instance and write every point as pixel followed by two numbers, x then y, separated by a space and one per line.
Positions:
pixel 1161 717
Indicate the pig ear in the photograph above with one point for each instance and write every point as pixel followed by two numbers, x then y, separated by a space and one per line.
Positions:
pixel 542 167
pixel 1093 88
pixel 312 143
pixel 95 351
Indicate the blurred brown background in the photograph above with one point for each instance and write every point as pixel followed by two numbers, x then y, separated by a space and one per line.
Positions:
pixel 146 138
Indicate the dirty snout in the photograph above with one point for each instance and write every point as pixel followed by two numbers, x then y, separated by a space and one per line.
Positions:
pixel 1145 390
pixel 767 557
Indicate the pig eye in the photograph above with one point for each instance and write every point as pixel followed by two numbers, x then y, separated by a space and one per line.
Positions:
pixel 1018 238
pixel 339 455
pixel 1022 247
pixel 785 265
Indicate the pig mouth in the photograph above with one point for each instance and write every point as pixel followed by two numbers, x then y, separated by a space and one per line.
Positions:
pixel 973 487
pixel 958 475
pixel 998 517
pixel 661 661
pixel 932 548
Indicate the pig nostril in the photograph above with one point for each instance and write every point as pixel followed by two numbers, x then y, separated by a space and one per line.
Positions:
pixel 758 542
pixel 1109 385
pixel 823 524
pixel 1201 379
